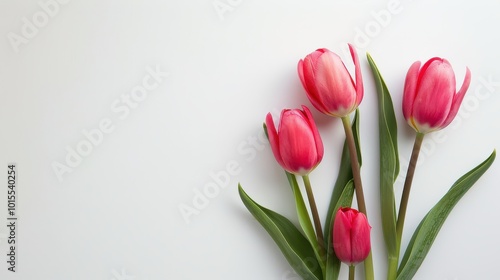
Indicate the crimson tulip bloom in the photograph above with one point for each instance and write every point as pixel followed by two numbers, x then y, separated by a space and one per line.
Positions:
pixel 328 84
pixel 430 100
pixel 297 145
pixel 351 236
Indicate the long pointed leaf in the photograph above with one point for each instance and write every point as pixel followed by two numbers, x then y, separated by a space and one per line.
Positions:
pixel 429 227
pixel 294 246
pixel 389 161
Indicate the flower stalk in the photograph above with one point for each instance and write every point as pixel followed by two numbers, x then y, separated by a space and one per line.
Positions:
pixel 407 186
pixel 403 206
pixel 315 215
pixel 356 173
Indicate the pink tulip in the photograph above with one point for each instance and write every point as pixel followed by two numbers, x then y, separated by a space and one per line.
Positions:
pixel 430 100
pixel 297 145
pixel 328 84
pixel 351 236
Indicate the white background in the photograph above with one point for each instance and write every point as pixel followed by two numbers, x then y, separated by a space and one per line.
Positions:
pixel 116 214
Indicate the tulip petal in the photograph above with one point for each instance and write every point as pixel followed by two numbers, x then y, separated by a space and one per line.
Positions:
pixel 426 65
pixel 457 99
pixel 334 84
pixel 295 143
pixel 435 90
pixel 360 238
pixel 359 78
pixel 300 70
pixel 342 236
pixel 315 131
pixel 272 134
pixel 410 89
pixel 307 74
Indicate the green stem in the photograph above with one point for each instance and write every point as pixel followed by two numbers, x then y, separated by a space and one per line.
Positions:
pixel 356 174
pixel 407 186
pixel 403 206
pixel 351 272
pixel 358 186
pixel 314 211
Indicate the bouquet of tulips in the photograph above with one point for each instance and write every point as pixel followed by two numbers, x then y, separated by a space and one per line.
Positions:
pixel 315 250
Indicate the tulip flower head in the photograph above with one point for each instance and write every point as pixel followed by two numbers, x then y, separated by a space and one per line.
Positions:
pixel 328 84
pixel 296 145
pixel 351 236
pixel 430 100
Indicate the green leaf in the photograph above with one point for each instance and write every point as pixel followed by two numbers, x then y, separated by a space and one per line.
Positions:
pixel 429 227
pixel 389 161
pixel 332 262
pixel 294 246
pixel 305 219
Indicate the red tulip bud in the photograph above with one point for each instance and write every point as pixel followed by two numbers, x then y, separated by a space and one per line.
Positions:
pixel 328 84
pixel 297 145
pixel 351 236
pixel 430 100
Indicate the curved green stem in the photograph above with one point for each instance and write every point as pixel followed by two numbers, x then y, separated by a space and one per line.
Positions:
pixel 314 211
pixel 356 173
pixel 407 187
pixel 403 206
